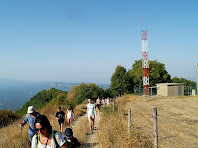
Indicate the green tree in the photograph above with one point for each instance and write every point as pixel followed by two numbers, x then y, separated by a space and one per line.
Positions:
pixel 42 98
pixel 185 81
pixel 94 91
pixel 83 92
pixel 136 73
pixel 108 93
pixel 120 81
pixel 157 73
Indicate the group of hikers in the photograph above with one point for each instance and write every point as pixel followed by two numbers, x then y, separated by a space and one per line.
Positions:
pixel 41 134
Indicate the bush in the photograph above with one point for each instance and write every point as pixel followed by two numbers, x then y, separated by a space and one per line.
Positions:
pixel 42 98
pixel 7 117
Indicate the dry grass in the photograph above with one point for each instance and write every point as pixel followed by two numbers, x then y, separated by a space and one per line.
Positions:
pixel 10 136
pixel 113 131
pixel 177 120
pixel 81 129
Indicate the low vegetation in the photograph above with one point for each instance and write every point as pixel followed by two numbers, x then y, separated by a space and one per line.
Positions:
pixel 13 131
pixel 42 98
pixel 114 128
pixel 81 129
pixel 46 103
pixel 7 117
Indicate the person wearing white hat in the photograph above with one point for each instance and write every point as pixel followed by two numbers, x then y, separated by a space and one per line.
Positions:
pixel 30 117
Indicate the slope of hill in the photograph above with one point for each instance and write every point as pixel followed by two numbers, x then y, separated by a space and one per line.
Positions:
pixel 45 102
pixel 44 97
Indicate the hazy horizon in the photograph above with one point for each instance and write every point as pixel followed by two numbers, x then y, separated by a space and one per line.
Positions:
pixel 14 93
pixel 75 41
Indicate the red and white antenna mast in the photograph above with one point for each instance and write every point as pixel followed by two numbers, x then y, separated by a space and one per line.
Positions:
pixel 145 64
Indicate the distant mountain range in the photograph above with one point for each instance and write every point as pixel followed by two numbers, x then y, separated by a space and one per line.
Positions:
pixel 14 93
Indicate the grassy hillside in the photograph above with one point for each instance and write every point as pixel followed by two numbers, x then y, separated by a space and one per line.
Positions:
pixel 42 98
pixel 48 108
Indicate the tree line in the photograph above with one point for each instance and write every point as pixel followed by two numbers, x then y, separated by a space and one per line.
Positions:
pixel 123 81
pixel 75 96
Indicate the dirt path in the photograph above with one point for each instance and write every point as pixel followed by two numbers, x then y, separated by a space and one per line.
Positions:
pixel 91 139
pixel 177 120
pixel 77 120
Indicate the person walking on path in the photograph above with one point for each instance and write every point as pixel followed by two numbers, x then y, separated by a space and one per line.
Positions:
pixel 60 116
pixel 108 101
pixel 91 114
pixel 103 101
pixel 70 116
pixel 46 137
pixel 72 142
pixel 98 104
pixel 30 117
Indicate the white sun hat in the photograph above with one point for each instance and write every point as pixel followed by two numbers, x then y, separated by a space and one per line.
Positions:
pixel 30 109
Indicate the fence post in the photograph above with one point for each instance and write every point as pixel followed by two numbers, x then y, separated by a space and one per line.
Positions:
pixel 155 128
pixel 129 120
pixel 139 90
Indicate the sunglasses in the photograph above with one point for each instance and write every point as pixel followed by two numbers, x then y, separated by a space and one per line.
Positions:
pixel 39 129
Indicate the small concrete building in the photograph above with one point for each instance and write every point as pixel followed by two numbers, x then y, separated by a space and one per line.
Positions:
pixel 170 89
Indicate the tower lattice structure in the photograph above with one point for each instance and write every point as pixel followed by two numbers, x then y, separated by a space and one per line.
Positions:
pixel 145 64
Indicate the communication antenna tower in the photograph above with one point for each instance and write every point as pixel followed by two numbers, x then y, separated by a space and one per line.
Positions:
pixel 145 64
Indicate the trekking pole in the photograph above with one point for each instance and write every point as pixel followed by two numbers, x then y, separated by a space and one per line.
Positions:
pixel 22 136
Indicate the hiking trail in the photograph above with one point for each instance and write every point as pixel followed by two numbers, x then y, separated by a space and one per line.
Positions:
pixel 91 140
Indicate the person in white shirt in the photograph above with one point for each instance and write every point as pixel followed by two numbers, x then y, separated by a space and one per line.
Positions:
pixel 70 116
pixel 91 114
pixel 46 137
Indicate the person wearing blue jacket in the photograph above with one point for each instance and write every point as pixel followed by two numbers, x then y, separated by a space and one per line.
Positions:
pixel 30 118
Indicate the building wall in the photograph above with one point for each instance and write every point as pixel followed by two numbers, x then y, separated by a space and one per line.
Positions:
pixel 168 89
pixel 172 91
pixel 162 90
pixel 181 90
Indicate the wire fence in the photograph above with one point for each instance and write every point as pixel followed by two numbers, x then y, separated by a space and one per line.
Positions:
pixel 188 90
pixel 138 90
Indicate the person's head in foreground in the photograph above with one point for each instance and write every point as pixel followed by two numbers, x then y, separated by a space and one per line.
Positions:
pixel 42 125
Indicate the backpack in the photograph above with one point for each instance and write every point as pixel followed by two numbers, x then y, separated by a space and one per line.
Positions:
pixel 53 138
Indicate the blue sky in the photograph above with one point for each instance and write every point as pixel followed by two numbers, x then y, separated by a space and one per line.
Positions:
pixel 84 40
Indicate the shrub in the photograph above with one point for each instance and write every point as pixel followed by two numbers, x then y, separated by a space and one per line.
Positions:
pixel 7 117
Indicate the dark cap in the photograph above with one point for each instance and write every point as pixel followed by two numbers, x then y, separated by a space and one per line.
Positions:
pixel 68 133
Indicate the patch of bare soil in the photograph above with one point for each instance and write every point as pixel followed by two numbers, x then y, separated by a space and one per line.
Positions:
pixel 177 120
